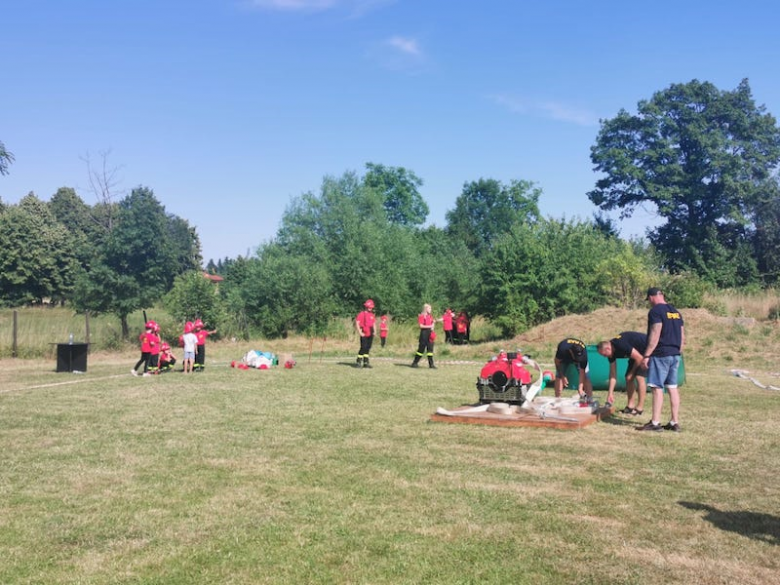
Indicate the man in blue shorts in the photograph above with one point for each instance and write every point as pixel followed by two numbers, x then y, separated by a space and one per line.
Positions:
pixel 665 342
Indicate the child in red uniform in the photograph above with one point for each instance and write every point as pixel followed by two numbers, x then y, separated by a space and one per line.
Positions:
pixel 462 327
pixel 200 353
pixel 146 349
pixel 154 351
pixel 384 326
pixel 167 360
pixel 364 322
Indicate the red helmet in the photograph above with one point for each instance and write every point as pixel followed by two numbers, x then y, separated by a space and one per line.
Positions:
pixel 188 327
pixel 165 346
pixel 150 325
pixel 198 324
pixel 369 304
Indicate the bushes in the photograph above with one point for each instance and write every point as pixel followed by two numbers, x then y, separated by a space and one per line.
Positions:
pixel 684 290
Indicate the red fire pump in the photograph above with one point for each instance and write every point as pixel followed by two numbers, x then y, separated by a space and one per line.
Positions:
pixel 505 378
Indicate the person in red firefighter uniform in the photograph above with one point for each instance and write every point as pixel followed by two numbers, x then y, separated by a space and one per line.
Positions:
pixel 425 346
pixel 154 343
pixel 167 359
pixel 200 353
pixel 462 327
pixel 364 322
pixel 146 349
pixel 384 327
pixel 447 321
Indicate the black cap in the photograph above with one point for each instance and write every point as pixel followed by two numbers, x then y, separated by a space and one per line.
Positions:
pixel 652 291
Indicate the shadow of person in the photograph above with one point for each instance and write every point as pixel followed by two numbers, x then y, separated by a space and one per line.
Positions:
pixel 758 526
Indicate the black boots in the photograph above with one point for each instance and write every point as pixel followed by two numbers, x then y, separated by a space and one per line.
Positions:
pixel 415 363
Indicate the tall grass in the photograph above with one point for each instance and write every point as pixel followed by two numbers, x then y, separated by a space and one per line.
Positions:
pixel 759 305
pixel 39 329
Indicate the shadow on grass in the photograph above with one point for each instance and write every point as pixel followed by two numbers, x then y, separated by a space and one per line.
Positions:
pixel 351 364
pixel 623 421
pixel 758 526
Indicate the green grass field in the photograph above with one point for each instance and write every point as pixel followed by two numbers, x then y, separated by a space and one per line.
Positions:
pixel 329 474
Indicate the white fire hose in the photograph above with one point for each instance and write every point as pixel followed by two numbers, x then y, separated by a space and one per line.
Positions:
pixel 743 374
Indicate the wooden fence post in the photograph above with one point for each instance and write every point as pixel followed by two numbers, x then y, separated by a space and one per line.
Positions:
pixel 14 345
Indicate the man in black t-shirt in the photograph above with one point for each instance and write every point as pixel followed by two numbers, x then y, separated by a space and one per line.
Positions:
pixel 631 345
pixel 665 342
pixel 572 351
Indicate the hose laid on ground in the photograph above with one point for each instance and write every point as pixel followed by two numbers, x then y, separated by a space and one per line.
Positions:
pixel 472 410
pixel 743 374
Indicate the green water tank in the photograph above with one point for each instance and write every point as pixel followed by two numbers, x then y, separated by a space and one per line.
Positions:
pixel 599 372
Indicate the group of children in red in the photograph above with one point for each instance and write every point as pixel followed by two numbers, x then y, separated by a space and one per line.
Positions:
pixel 366 319
pixel 459 325
pixel 157 356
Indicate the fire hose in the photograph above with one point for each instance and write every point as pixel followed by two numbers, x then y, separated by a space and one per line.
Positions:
pixel 743 374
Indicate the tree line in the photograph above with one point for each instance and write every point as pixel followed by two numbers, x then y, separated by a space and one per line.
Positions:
pixel 111 257
pixel 704 159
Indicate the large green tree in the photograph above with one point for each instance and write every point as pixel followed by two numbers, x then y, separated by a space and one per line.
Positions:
pixel 87 231
pixel 285 292
pixel 139 260
pixel 347 230
pixel 195 297
pixel 767 238
pixel 536 272
pixel 341 228
pixel 37 258
pixel 701 157
pixel 399 189
pixel 487 209
pixel 184 246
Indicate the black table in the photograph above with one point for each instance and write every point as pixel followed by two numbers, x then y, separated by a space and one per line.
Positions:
pixel 72 357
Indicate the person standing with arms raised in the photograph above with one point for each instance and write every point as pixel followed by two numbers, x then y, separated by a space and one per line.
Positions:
pixel 665 342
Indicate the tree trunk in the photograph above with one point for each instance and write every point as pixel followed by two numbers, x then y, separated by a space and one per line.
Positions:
pixel 125 328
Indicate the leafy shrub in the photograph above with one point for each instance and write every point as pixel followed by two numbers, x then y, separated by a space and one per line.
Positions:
pixel 715 306
pixel 685 290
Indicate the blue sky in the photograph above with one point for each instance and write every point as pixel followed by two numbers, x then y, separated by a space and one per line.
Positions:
pixel 227 109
